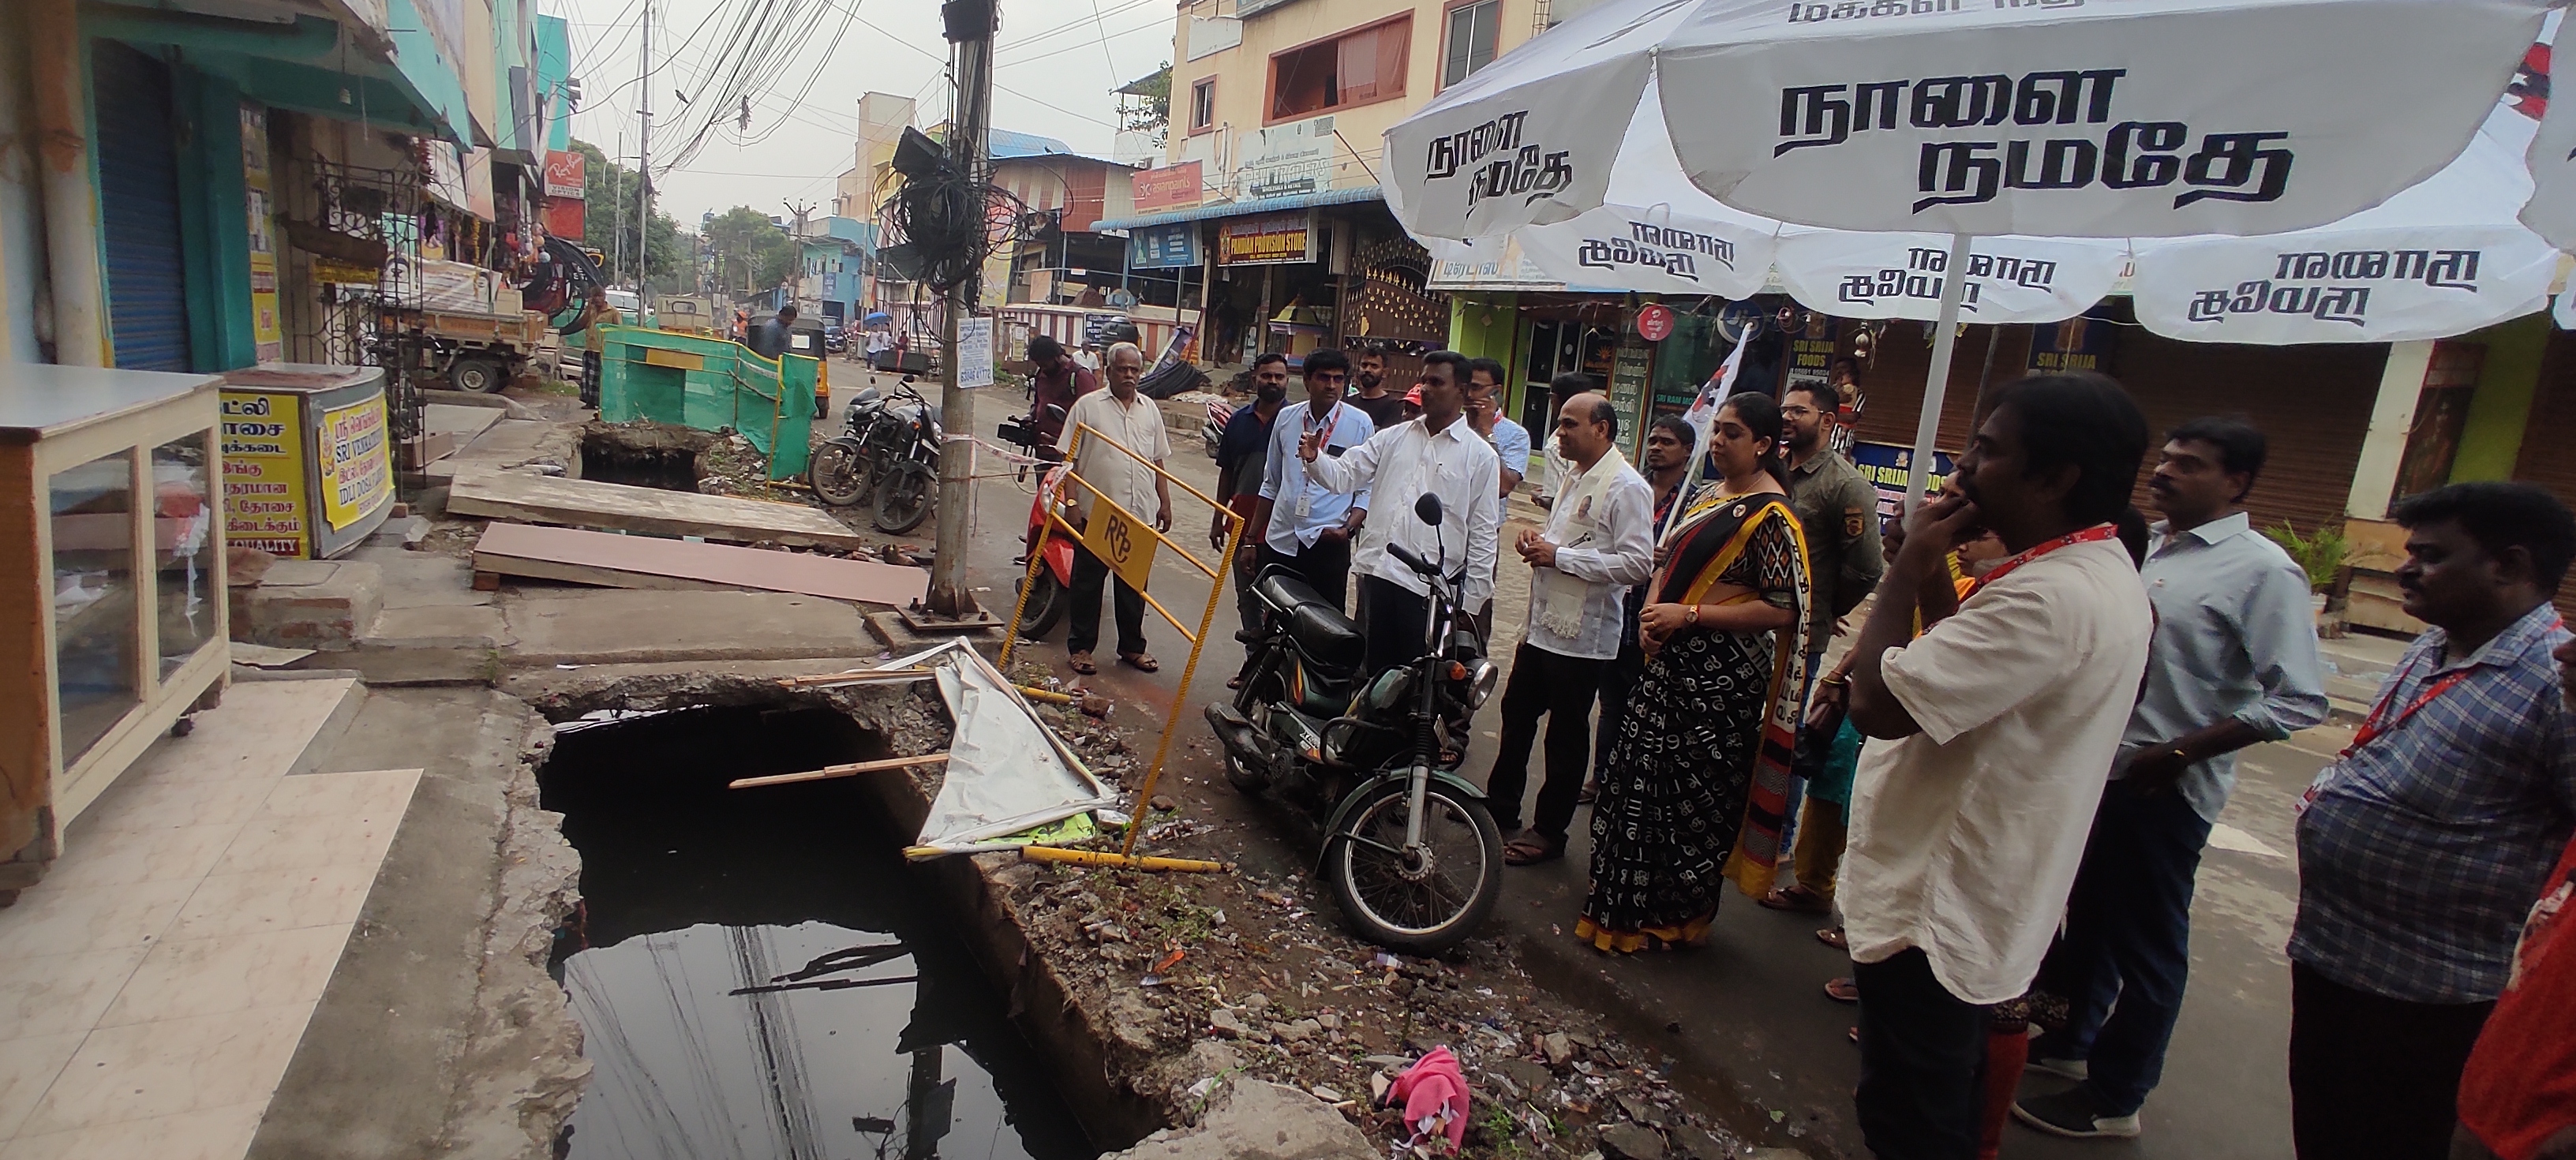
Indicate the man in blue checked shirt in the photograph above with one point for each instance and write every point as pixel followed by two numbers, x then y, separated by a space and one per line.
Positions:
pixel 2233 663
pixel 2423 846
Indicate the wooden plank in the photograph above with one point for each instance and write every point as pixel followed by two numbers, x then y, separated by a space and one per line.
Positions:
pixel 853 769
pixel 646 562
pixel 581 503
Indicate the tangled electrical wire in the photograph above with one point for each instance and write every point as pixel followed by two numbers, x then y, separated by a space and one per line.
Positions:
pixel 948 221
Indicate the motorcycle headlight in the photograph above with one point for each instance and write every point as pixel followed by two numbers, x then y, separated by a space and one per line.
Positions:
pixel 1481 679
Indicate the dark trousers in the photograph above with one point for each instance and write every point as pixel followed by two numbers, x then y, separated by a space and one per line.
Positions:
pixel 1922 1063
pixel 1618 679
pixel 1393 623
pixel 1083 634
pixel 1559 688
pixel 1324 565
pixel 2127 949
pixel 2374 1078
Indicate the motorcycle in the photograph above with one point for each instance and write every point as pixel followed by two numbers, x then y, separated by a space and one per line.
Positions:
pixel 1212 432
pixel 889 449
pixel 1410 848
pixel 1046 602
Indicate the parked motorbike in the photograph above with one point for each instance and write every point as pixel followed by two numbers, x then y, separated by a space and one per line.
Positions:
pixel 1410 849
pixel 888 449
pixel 1054 580
pixel 1212 432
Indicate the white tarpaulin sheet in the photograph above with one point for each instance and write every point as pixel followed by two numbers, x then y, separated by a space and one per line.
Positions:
pixel 1007 772
pixel 1862 275
pixel 2090 118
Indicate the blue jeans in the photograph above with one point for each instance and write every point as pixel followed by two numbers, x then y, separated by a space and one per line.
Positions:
pixel 2128 942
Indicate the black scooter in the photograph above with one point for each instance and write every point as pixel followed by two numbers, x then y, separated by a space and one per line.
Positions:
pixel 1410 850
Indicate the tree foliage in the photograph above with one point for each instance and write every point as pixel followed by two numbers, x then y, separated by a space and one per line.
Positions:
pixel 664 258
pixel 1145 104
pixel 751 252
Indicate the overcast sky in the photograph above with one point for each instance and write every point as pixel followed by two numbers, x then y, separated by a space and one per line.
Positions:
pixel 1058 61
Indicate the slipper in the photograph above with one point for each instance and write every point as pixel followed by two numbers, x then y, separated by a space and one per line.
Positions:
pixel 1081 663
pixel 1855 1036
pixel 1843 990
pixel 1234 682
pixel 1530 851
pixel 1591 793
pixel 1798 899
pixel 1832 936
pixel 1141 662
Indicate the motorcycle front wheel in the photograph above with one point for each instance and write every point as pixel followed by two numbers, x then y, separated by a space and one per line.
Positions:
pixel 904 495
pixel 1045 606
pixel 1418 901
pixel 839 474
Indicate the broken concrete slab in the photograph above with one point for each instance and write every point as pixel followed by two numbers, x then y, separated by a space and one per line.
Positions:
pixel 1258 1121
pixel 587 557
pixel 314 604
pixel 438 627
pixel 539 499
pixel 600 626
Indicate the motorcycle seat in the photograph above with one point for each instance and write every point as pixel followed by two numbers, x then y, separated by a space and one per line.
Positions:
pixel 1321 631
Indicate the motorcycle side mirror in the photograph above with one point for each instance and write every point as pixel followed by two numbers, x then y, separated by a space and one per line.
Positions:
pixel 1427 509
pixel 1055 411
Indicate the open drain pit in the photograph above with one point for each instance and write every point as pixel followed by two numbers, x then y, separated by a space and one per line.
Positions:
pixel 642 454
pixel 759 973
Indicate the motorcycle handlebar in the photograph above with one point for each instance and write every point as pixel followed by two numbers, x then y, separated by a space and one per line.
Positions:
pixel 1413 560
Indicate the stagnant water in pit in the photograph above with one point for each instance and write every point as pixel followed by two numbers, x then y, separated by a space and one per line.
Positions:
pixel 757 972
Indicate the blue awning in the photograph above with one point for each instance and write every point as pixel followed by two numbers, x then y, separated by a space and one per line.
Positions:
pixel 1226 209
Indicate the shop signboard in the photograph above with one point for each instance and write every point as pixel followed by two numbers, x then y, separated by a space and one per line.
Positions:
pixel 1270 239
pixel 268 335
pixel 1631 375
pixel 1655 322
pixel 565 173
pixel 1285 160
pixel 1812 350
pixel 357 469
pixel 567 218
pixel 1095 328
pixel 263 453
pixel 1170 187
pixel 2081 343
pixel 1164 247
pixel 1887 465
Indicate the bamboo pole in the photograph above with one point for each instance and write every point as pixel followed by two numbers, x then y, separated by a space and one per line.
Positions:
pixel 832 771
pixel 1104 858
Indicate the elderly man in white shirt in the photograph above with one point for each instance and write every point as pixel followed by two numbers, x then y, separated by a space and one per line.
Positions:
pixel 1436 454
pixel 1124 416
pixel 1598 541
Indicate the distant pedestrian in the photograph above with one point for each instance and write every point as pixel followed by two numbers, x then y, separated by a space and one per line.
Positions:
pixel 2518 1093
pixel 1595 545
pixel 1242 460
pixel 1439 456
pixel 1124 417
pixel 1485 412
pixel 1308 527
pixel 769 338
pixel 1055 380
pixel 1370 392
pixel 1669 440
pixel 1552 468
pixel 2233 663
pixel 1968 816
pixel 1692 792
pixel 2423 845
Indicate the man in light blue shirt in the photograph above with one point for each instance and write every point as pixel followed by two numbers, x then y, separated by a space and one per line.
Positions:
pixel 1485 413
pixel 2233 663
pixel 1310 526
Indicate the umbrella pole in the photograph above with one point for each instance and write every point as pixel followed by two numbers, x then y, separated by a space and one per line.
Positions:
pixel 1945 336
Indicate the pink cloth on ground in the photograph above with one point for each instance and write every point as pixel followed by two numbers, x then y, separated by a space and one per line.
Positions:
pixel 1431 1087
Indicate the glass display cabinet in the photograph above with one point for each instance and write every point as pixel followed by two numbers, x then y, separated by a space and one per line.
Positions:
pixel 112 608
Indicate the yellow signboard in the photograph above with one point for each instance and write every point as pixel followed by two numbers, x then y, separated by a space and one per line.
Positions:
pixel 264 505
pixel 1120 539
pixel 357 466
pixel 267 335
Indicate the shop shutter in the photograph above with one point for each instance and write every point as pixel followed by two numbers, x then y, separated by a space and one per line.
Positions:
pixel 138 171
pixel 2545 459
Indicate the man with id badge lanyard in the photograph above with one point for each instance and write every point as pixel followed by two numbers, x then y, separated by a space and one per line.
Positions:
pixel 2423 845
pixel 1309 526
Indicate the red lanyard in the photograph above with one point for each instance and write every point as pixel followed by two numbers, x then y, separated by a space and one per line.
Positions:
pixel 2370 729
pixel 1332 424
pixel 2094 534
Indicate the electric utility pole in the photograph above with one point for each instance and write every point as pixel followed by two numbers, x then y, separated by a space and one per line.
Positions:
pixel 644 163
pixel 970 25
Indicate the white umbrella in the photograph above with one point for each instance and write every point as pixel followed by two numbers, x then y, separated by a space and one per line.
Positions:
pixel 2085 118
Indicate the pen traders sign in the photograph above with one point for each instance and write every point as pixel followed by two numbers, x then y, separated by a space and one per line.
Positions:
pixel 2370 286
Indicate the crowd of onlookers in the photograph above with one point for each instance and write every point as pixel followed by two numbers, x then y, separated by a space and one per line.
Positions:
pixel 2003 785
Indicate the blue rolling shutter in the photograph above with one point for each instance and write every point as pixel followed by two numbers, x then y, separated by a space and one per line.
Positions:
pixel 138 195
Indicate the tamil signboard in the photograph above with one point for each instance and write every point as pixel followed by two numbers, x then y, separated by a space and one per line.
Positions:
pixel 974 351
pixel 1170 187
pixel 2081 343
pixel 1270 239
pixel 1165 247
pixel 565 172
pixel 1886 466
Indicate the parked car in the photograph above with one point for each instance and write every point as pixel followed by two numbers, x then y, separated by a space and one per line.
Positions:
pixel 835 339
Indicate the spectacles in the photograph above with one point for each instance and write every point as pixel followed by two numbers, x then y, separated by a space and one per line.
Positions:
pixel 1798 412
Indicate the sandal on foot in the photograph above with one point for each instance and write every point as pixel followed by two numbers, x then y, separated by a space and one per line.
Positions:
pixel 1591 793
pixel 1530 850
pixel 1081 664
pixel 1843 990
pixel 1141 662
pixel 1798 899
pixel 1832 936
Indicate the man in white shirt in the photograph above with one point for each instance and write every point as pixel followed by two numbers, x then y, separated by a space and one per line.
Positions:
pixel 1307 527
pixel 1124 416
pixel 1554 468
pixel 1993 730
pixel 1597 543
pixel 1437 454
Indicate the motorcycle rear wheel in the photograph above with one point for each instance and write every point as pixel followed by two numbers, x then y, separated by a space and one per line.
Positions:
pixel 1044 607
pixel 1418 910
pixel 904 495
pixel 840 474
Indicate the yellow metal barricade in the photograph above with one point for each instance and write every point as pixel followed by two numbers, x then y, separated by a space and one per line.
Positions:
pixel 1129 544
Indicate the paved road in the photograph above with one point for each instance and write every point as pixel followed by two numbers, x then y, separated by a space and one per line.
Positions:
pixel 1756 1030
